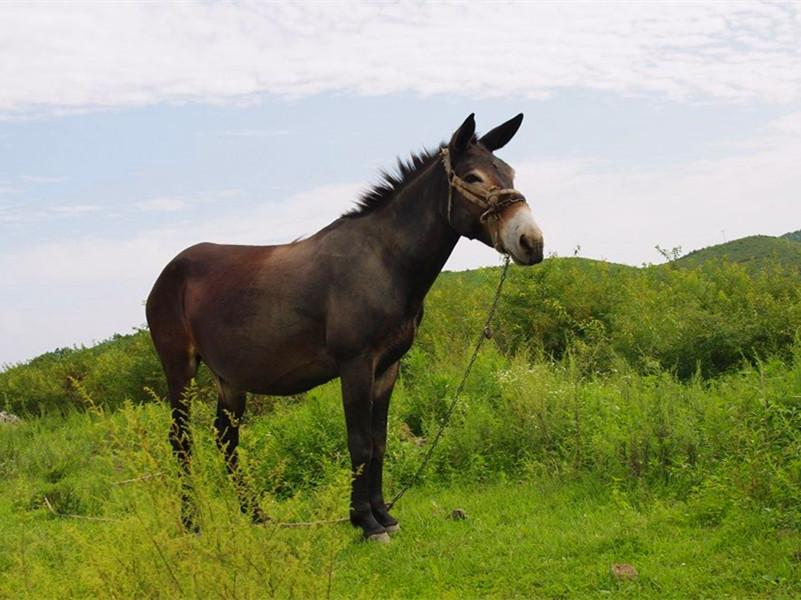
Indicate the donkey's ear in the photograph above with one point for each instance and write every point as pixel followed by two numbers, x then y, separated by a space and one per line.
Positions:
pixel 462 136
pixel 500 136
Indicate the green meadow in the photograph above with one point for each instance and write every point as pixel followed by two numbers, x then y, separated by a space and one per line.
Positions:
pixel 648 417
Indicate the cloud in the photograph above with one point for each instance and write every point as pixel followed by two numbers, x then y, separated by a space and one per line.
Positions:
pixel 620 213
pixel 19 213
pixel 788 124
pixel 40 179
pixel 161 204
pixel 74 57
pixel 72 209
pixel 23 213
pixel 251 133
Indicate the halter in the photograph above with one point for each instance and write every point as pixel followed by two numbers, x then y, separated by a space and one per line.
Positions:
pixel 492 200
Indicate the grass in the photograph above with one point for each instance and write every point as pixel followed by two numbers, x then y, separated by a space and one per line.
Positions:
pixel 693 483
pixel 527 539
pixel 550 539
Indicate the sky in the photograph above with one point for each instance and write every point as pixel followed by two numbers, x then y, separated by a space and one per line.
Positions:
pixel 130 131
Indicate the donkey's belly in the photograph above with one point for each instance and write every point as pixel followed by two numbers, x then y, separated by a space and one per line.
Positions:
pixel 294 380
pixel 277 371
pixel 280 360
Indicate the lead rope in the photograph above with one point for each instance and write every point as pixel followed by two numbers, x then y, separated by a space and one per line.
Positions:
pixel 485 333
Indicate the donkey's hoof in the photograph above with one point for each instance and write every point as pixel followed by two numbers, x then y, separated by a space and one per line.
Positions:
pixel 190 525
pixel 259 517
pixel 394 528
pixel 380 538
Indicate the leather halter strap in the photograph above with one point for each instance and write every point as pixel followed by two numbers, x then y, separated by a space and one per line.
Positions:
pixel 492 200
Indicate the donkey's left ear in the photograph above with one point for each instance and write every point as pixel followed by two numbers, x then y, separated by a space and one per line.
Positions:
pixel 461 137
pixel 500 136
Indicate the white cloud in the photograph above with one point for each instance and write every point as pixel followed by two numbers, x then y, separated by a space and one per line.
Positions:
pixel 72 209
pixel 252 133
pixel 41 179
pixel 161 204
pixel 621 213
pixel 21 213
pixel 67 57
pixel 788 124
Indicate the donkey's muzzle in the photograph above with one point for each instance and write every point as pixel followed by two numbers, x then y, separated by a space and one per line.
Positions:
pixel 532 248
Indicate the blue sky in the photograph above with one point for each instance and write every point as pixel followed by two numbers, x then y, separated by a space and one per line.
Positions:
pixel 128 132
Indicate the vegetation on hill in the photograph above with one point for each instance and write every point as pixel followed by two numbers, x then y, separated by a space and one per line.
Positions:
pixel 793 235
pixel 755 252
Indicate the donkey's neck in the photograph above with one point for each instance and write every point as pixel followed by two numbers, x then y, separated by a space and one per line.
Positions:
pixel 415 234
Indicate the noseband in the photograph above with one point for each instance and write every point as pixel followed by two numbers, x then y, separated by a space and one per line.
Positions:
pixel 492 200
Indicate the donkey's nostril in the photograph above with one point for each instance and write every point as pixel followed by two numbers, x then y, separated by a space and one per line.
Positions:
pixel 525 243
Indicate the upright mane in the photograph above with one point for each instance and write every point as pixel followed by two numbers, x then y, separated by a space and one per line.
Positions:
pixel 391 183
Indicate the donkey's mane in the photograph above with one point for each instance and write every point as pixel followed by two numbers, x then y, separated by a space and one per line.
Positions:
pixel 391 182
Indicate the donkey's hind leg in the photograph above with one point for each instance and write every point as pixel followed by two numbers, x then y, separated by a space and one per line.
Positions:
pixel 179 374
pixel 230 408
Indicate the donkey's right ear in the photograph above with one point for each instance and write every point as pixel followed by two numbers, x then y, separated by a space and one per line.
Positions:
pixel 463 136
pixel 500 136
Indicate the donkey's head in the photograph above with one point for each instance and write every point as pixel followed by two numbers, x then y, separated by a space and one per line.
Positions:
pixel 482 201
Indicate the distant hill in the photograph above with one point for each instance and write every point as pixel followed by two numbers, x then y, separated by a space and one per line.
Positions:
pixel 754 251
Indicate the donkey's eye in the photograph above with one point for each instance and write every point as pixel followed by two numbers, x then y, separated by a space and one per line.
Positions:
pixel 471 178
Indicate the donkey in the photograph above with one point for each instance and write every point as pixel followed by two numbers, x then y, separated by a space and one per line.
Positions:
pixel 345 302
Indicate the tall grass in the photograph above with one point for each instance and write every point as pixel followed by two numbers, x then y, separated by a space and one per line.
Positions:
pixel 657 385
pixel 725 446
pixel 110 483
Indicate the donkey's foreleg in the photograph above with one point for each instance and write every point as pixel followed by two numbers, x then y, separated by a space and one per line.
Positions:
pixel 382 390
pixel 230 408
pixel 357 396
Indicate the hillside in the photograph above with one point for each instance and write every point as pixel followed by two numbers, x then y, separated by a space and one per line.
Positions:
pixel 756 251
pixel 793 235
